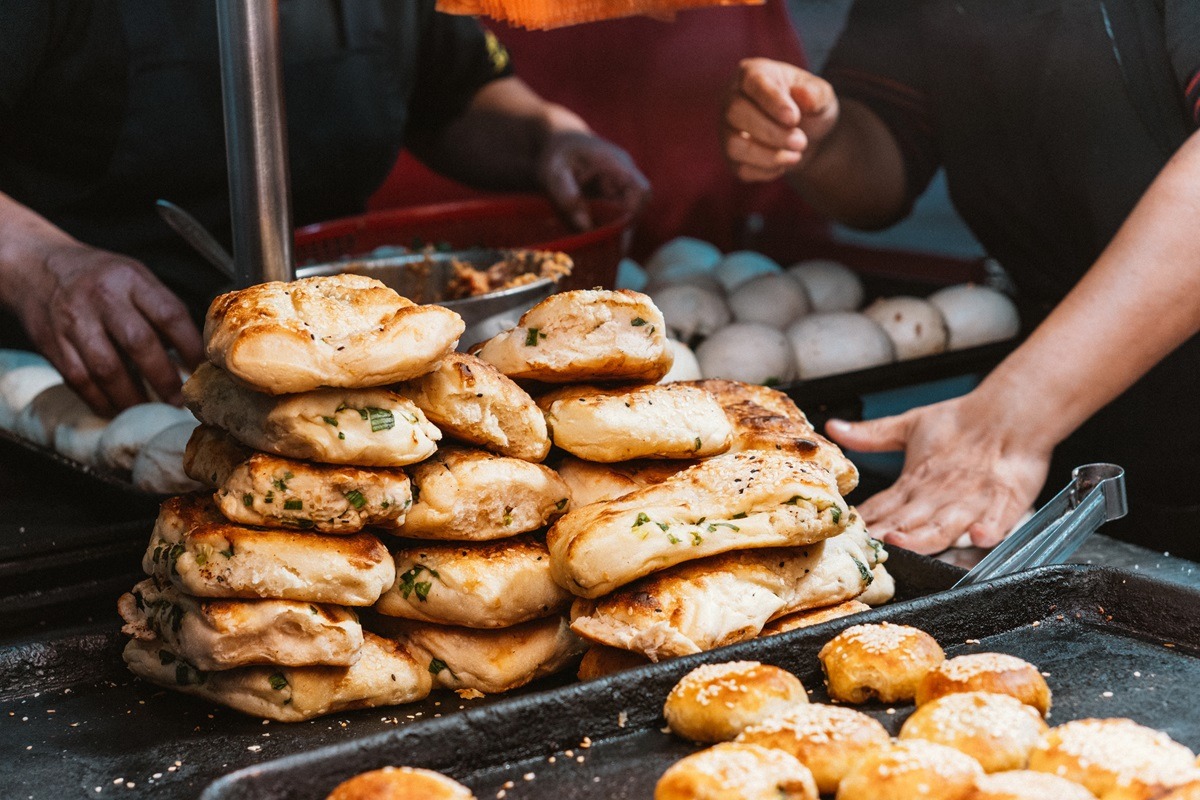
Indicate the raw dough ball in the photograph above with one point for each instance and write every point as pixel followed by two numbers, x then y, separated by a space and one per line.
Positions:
pixel 79 440
pixel 682 256
pixel 15 359
pixel 690 311
pixel 830 285
pixel 132 429
pixel 976 315
pixel 915 326
pixel 739 267
pixel 837 342
pixel 630 275
pixel 19 387
pixel 716 702
pixel 748 353
pixel 52 409
pixel 158 468
pixel 776 300
pixel 685 367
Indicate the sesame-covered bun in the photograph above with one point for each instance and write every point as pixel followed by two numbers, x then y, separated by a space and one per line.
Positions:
pixel 1114 758
pixel 987 672
pixel 400 783
pixel 911 769
pixel 1023 784
pixel 716 702
pixel 1189 791
pixel 732 771
pixel 828 740
pixel 881 661
pixel 996 730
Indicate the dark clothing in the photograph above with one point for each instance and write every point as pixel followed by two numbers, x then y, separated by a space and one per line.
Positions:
pixel 107 105
pixel 1051 118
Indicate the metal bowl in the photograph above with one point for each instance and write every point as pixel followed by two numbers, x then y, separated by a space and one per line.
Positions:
pixel 424 278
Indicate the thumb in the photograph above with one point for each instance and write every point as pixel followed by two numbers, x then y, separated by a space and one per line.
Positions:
pixel 565 193
pixel 811 94
pixel 871 436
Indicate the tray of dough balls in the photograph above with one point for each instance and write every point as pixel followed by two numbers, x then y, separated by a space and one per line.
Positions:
pixel 860 321
pixel 1062 683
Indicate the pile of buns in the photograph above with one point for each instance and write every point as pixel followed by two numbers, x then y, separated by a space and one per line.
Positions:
pixel 978 732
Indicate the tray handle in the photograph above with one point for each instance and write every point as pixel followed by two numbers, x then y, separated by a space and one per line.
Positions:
pixel 1095 495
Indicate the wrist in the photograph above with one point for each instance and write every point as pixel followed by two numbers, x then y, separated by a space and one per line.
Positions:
pixel 1015 412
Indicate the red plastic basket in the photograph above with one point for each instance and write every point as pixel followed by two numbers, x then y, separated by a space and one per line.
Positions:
pixel 510 221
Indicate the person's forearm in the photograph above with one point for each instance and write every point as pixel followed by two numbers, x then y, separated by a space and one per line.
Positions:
pixel 496 142
pixel 25 237
pixel 856 174
pixel 1138 302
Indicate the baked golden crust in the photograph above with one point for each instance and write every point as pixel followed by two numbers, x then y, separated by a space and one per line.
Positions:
pixel 472 401
pixel 584 335
pixel 716 702
pixel 987 672
pixel 731 502
pixel 222 634
pixel 828 740
pixel 911 769
pixel 601 660
pixel 881 661
pixel 591 482
pixel 400 783
pixel 766 419
pixel 194 548
pixel 338 330
pixel 462 494
pixel 272 491
pixel 477 585
pixel 1028 785
pixel 357 427
pixel 384 675
pixel 805 619
pixel 731 771
pixel 1114 758
pixel 723 599
pixel 623 423
pixel 996 730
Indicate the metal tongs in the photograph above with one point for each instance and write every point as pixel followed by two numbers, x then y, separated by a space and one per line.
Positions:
pixel 1095 495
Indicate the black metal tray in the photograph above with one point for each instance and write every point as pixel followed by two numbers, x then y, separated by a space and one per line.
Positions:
pixel 1113 644
pixel 73 718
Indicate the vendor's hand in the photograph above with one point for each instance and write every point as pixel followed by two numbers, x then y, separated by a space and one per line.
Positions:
pixel 775 116
pixel 963 473
pixel 105 322
pixel 575 165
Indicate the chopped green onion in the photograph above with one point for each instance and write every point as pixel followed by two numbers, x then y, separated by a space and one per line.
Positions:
pixel 713 526
pixel 228 552
pixel 696 538
pixel 662 525
pixel 531 337
pixel 740 515
pixel 278 681
pixel 436 665
pixel 248 500
pixel 293 505
pixel 638 322
pixel 381 419
pixel 422 590
pixel 642 519
pixel 698 444
pixel 165 657
pixel 561 504
pixel 356 499
pixel 836 513
pixel 330 421
pixel 341 435
pixel 864 572
pixel 672 538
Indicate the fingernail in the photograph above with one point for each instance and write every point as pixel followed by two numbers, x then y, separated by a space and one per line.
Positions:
pixel 837 425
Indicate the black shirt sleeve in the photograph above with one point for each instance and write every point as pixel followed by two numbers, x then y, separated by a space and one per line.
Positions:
pixel 1182 22
pixel 877 61
pixel 26 30
pixel 457 58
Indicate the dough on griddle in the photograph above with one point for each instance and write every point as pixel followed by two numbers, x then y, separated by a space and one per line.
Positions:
pixel 591 482
pixel 882 661
pixel 996 730
pixel 472 401
pixel 359 427
pixel 158 468
pixel 909 769
pixel 730 771
pixel 53 407
pixel 987 672
pixel 584 335
pixel 339 330
pixel 384 675
pixel 400 783
pixel 1028 785
pixel 601 660
pixel 731 502
pixel 19 387
pixel 806 619
pixel 716 702
pixel 652 421
pixel 132 430
pixel 272 491
pixel 223 634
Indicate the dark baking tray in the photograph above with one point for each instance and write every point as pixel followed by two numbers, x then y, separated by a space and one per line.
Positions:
pixel 67 695
pixel 1113 644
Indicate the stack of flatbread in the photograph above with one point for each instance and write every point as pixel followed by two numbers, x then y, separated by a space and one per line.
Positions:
pixel 703 513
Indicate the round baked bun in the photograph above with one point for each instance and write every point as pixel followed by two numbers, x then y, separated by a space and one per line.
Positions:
pixel 996 730
pixel 829 740
pixel 1114 759
pixel 680 257
pixel 882 661
pixel 910 770
pixel 400 783
pixel 749 353
pixel 716 702
pixel 685 367
pixel 690 311
pixel 915 326
pixel 739 267
pixel 836 342
pixel 830 286
pixel 1027 785
pixel 976 315
pixel 737 772
pixel 1189 791
pixel 987 672
pixel 776 299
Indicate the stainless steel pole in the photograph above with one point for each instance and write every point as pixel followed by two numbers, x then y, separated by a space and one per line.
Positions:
pixel 256 139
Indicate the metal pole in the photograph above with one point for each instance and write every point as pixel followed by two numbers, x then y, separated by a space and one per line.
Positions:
pixel 256 139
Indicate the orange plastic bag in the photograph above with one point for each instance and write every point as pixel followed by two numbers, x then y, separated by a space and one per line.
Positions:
pixel 546 14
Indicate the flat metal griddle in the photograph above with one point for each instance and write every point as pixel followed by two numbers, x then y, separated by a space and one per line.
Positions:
pixel 72 717
pixel 1113 643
